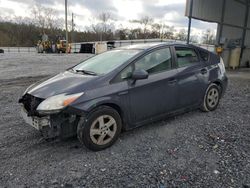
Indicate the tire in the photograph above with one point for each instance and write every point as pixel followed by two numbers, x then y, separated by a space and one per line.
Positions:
pixel 211 98
pixel 105 124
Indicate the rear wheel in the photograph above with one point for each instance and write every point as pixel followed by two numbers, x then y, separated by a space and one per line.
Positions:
pixel 211 98
pixel 100 129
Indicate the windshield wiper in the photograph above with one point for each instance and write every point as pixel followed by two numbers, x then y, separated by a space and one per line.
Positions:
pixel 87 72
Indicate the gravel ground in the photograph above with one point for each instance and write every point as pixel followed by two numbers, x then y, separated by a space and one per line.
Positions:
pixel 194 149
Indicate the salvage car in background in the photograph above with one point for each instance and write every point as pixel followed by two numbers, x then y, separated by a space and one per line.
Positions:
pixel 123 89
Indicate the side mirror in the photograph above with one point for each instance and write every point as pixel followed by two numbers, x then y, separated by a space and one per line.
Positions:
pixel 139 74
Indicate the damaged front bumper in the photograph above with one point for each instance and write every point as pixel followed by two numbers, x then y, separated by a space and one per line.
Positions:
pixel 36 122
pixel 60 125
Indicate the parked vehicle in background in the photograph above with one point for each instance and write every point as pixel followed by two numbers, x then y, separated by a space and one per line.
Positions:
pixel 93 47
pixel 1 51
pixel 110 45
pixel 122 89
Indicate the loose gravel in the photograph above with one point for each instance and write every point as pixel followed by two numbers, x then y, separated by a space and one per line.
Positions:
pixel 194 149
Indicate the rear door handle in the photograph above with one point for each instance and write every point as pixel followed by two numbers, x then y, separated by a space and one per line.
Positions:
pixel 172 81
pixel 123 93
pixel 203 71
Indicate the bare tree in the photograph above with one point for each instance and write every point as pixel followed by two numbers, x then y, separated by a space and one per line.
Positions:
pixel 145 21
pixel 45 18
pixel 156 27
pixel 38 15
pixel 104 18
pixel 208 37
pixel 168 31
pixel 50 16
pixel 182 35
pixel 122 34
pixel 194 38
pixel 96 28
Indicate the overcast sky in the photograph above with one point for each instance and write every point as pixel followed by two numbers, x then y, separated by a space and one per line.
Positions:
pixel 170 12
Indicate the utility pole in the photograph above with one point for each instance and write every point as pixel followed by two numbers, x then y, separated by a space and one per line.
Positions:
pixel 66 24
pixel 72 31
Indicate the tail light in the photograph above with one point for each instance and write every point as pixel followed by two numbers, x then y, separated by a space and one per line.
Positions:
pixel 222 66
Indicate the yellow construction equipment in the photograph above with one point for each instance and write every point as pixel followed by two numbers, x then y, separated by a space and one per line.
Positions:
pixel 47 46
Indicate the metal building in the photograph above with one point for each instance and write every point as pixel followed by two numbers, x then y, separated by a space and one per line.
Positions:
pixel 233 18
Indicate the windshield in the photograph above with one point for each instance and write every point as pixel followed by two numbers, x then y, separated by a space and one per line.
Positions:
pixel 106 62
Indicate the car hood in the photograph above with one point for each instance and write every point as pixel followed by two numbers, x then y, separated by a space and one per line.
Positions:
pixel 66 82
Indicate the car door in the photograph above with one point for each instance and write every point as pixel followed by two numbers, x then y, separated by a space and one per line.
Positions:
pixel 192 76
pixel 155 95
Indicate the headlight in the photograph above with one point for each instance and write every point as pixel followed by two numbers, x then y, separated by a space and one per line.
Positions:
pixel 56 103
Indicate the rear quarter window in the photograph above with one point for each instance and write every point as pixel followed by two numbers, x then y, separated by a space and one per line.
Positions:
pixel 204 55
pixel 186 56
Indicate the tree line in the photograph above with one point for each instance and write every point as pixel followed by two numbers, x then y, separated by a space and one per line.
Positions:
pixel 26 31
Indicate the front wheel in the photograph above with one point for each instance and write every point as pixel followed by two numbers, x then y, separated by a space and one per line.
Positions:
pixel 100 129
pixel 211 98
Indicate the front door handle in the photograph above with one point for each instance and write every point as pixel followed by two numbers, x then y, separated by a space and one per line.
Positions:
pixel 203 71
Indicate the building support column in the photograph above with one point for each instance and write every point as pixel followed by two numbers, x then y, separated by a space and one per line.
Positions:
pixel 222 20
pixel 190 21
pixel 244 31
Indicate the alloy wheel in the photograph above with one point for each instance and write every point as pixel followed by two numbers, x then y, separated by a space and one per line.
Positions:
pixel 103 130
pixel 213 97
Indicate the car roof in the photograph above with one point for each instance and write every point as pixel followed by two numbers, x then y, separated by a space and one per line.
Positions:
pixel 147 46
pixel 143 46
pixel 151 46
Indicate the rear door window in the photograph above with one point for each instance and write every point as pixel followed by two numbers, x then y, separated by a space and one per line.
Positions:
pixel 186 56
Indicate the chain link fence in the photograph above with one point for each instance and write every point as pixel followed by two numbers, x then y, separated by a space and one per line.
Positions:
pixel 75 47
